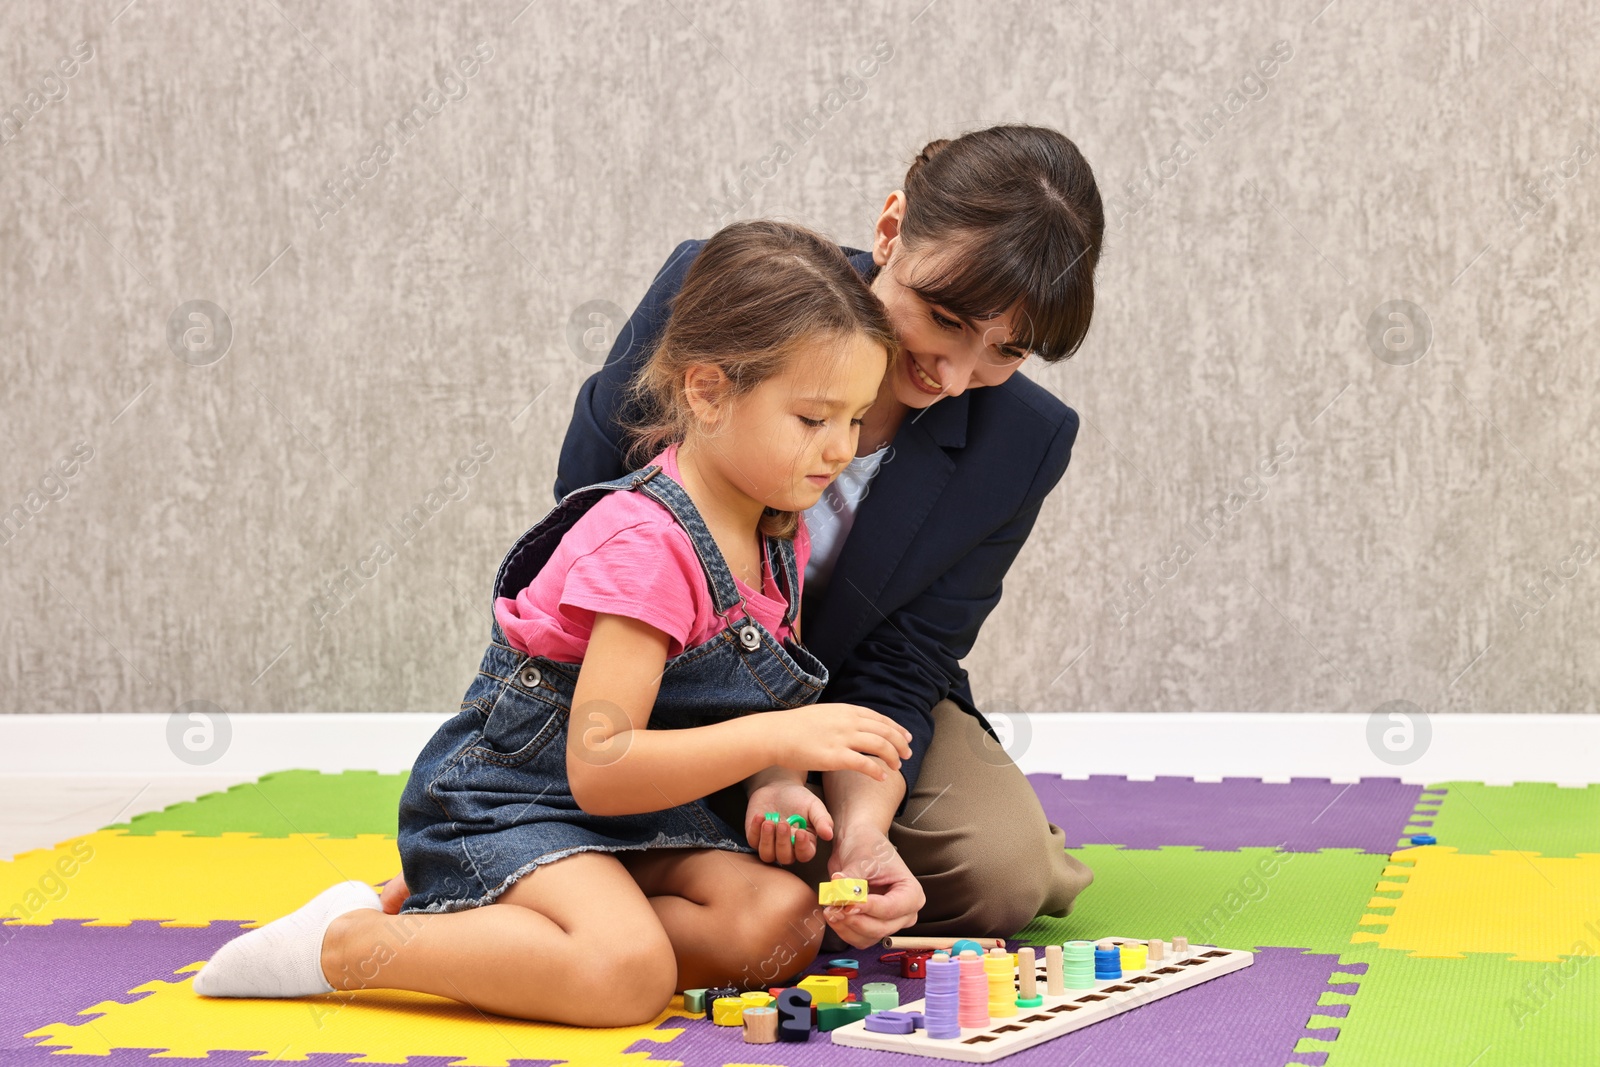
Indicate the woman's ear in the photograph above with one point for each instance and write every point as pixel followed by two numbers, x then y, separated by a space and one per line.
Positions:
pixel 887 233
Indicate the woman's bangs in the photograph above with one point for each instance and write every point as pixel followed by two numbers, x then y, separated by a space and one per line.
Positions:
pixel 987 274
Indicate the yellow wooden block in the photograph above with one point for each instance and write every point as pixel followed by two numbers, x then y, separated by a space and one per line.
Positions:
pixel 826 988
pixel 842 891
pixel 728 1011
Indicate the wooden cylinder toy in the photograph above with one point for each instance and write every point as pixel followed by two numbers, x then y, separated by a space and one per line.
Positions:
pixel 1052 972
pixel 1027 974
pixel 760 1025
pixel 1180 945
pixel 1158 950
pixel 907 941
pixel 1027 980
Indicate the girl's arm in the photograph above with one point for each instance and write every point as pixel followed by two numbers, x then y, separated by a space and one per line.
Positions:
pixel 769 775
pixel 615 765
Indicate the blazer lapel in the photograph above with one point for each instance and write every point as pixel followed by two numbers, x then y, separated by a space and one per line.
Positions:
pixel 897 504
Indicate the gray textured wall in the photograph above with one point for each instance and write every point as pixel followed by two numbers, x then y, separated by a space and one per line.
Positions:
pixel 176 524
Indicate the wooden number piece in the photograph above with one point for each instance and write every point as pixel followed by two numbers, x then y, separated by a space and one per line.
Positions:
pixel 794 1015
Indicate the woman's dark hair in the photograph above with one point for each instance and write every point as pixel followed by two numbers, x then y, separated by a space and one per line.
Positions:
pixel 757 293
pixel 1018 211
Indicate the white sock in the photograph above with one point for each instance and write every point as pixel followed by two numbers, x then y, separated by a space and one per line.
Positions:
pixel 284 957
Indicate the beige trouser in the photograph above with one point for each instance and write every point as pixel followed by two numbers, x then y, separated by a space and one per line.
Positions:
pixel 972 833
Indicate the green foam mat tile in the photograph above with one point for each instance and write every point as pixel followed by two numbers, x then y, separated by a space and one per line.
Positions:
pixel 1482 1010
pixel 285 803
pixel 1256 896
pixel 1537 817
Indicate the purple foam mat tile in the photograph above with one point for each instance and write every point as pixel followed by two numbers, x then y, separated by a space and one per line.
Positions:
pixel 1244 1019
pixel 50 973
pixel 1302 815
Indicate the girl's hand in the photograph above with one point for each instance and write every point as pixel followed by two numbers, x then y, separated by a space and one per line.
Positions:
pixel 771 839
pixel 838 737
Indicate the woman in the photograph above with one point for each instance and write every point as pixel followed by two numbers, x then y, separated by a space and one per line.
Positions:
pixel 984 259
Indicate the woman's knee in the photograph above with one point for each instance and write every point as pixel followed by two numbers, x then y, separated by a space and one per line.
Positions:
pixel 996 884
pixel 979 909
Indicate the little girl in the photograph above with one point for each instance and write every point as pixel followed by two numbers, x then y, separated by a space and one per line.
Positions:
pixel 562 863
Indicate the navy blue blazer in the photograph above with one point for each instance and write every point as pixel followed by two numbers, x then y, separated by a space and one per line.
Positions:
pixel 941 522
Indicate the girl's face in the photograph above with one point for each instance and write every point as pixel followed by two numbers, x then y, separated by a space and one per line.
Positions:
pixel 783 442
pixel 942 354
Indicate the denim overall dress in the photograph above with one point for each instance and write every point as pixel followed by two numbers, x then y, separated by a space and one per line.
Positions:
pixel 488 798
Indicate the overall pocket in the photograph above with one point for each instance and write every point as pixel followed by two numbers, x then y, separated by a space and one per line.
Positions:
pixel 525 718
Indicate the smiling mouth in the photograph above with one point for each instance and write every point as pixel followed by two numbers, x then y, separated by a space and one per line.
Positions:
pixel 919 375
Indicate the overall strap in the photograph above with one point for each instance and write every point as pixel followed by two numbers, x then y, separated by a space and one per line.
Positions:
pixel 669 494
pixel 785 565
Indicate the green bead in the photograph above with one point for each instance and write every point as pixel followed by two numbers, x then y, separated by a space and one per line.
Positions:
pixel 796 821
pixel 772 816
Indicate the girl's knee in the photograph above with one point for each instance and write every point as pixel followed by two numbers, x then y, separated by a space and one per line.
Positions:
pixel 636 975
pixel 782 927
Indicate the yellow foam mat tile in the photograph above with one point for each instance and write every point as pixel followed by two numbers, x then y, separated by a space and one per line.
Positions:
pixel 388 1026
pixel 112 878
pixel 1436 902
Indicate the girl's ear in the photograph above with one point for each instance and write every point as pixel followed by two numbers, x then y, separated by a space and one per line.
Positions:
pixel 704 386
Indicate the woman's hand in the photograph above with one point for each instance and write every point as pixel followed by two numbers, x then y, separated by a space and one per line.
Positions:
pixel 837 737
pixel 771 839
pixel 894 896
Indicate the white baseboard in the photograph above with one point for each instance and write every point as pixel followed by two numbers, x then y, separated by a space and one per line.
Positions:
pixel 1494 748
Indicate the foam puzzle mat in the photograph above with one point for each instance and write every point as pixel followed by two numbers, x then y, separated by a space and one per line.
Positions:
pixel 1473 951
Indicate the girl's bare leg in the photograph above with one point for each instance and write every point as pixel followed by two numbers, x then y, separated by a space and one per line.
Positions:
pixel 731 919
pixel 574 941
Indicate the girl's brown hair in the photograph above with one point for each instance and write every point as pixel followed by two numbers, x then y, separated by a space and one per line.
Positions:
pixel 757 290
pixel 1018 211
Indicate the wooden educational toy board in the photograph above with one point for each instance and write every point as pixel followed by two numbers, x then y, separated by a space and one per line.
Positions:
pixel 1057 1015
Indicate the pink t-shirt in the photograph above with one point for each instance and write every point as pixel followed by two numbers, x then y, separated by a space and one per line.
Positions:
pixel 628 556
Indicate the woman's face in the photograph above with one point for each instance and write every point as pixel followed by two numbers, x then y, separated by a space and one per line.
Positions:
pixel 956 354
